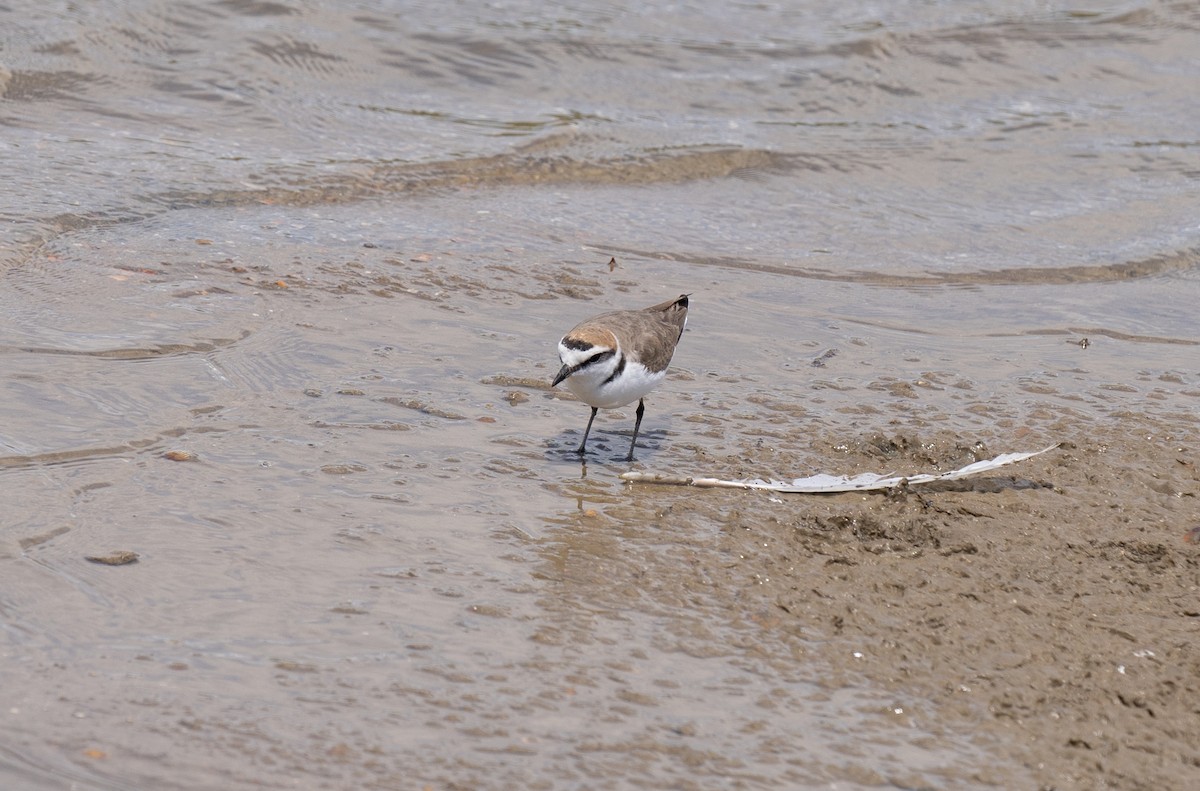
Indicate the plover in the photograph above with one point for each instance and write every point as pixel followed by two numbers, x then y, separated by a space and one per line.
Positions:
pixel 612 359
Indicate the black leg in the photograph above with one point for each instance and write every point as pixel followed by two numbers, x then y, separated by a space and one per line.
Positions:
pixel 641 410
pixel 587 431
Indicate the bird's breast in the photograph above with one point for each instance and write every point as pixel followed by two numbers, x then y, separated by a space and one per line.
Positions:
pixel 605 390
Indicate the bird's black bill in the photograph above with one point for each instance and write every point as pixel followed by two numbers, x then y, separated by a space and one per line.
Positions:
pixel 598 357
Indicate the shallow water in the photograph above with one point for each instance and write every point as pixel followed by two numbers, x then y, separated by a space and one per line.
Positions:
pixel 327 254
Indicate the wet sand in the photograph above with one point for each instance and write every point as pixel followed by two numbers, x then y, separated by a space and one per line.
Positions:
pixel 287 500
pixel 1032 624
pixel 1050 613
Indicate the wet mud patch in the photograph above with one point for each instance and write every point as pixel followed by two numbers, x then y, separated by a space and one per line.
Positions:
pixel 694 565
pixel 1048 613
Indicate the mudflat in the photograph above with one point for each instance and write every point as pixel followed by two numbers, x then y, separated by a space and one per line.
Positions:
pixel 287 500
pixel 1051 612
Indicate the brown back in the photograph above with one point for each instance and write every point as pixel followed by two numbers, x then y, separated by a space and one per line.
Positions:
pixel 648 336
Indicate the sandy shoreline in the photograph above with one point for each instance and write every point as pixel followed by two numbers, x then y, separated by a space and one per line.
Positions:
pixel 282 288
pixel 1050 613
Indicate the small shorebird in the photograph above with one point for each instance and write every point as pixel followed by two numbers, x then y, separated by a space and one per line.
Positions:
pixel 614 358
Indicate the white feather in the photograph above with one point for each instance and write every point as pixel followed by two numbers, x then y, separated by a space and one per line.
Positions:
pixel 824 483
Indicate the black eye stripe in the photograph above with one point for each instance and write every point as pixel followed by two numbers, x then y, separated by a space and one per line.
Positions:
pixel 596 358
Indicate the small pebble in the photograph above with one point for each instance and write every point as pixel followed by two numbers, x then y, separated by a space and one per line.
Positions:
pixel 119 558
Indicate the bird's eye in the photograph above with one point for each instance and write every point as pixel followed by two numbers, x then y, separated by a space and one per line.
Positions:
pixel 597 358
